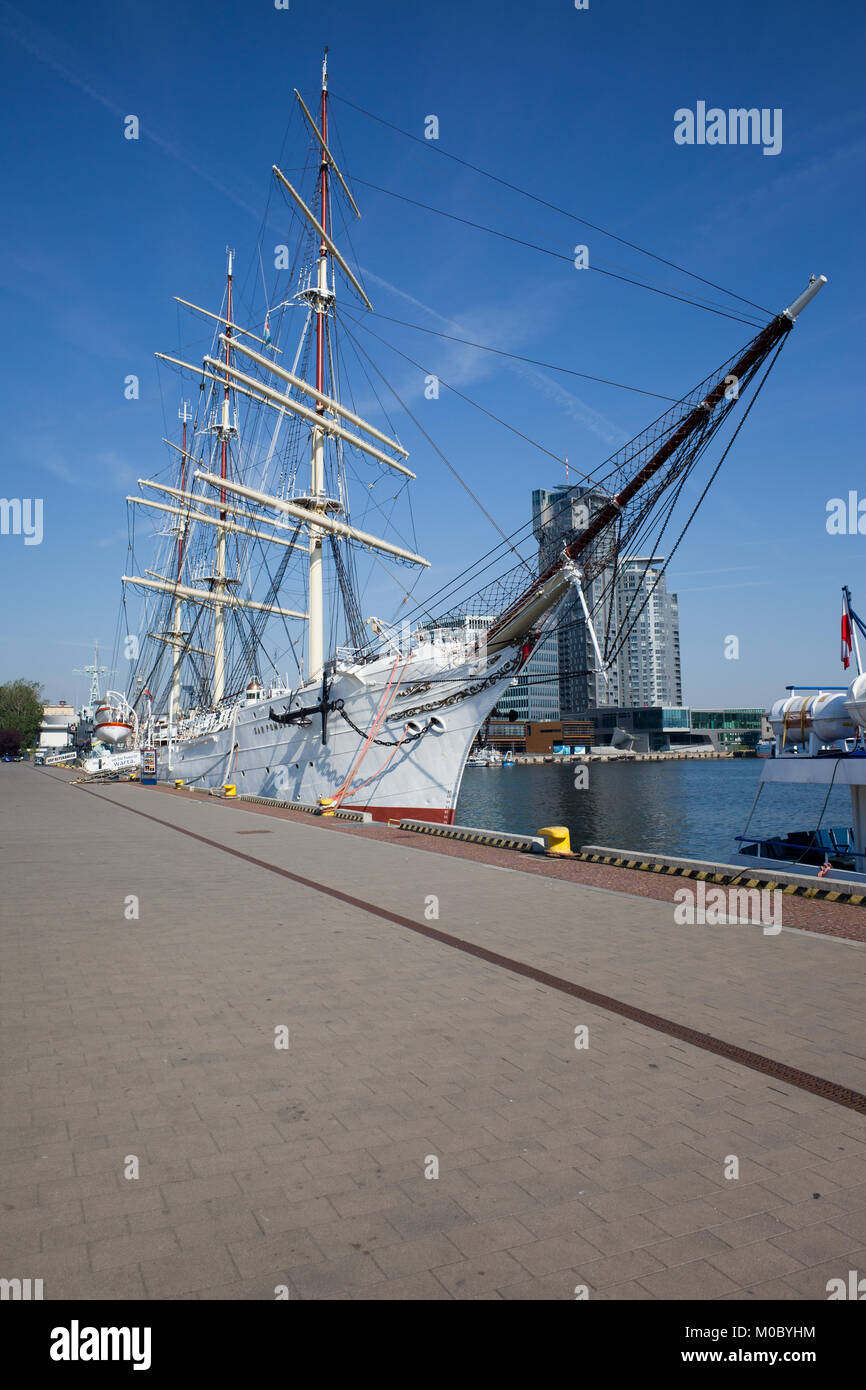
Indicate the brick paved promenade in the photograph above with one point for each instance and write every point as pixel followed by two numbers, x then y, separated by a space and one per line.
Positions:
pixel 154 1038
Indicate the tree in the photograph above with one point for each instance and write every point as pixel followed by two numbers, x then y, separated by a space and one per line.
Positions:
pixel 10 742
pixel 22 708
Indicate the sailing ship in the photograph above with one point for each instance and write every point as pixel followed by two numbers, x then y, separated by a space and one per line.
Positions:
pixel 377 717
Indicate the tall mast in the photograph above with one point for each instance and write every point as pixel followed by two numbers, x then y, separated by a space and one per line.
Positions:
pixel 184 414
pixel 317 469
pixel 94 672
pixel 225 429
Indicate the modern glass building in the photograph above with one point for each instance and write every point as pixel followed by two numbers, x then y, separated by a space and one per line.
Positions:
pixel 651 728
pixel 732 726
pixel 535 692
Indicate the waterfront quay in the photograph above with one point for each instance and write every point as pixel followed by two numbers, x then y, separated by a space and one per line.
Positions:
pixel 249 1054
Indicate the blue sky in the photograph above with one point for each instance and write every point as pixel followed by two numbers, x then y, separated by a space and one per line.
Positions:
pixel 98 233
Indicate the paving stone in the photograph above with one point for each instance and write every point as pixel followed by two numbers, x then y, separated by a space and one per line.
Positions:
pixel 815 1244
pixel 557 1252
pixel 466 1278
pixel 698 1279
pixel 350 1235
pixel 132 1249
pixel 763 1226
pixel 415 1287
pixel 188 1272
pixel 753 1263
pixel 412 1256
pixel 307 1168
pixel 697 1245
pixel 316 1280
pixel 482 1237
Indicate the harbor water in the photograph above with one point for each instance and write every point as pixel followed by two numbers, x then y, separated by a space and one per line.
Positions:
pixel 690 808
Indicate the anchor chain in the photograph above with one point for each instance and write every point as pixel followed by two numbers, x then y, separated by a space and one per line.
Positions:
pixel 382 742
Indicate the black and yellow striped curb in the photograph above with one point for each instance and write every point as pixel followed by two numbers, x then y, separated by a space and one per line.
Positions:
pixel 527 844
pixel 362 817
pixel 733 880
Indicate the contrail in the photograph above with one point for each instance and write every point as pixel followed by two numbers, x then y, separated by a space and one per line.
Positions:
pixel 13 25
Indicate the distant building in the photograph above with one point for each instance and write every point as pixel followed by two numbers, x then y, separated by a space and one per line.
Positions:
pixel 531 696
pixel 534 694
pixel 645 669
pixel 471 626
pixel 650 615
pixel 56 729
pixel 646 728
pixel 727 727
pixel 540 736
pixel 639 728
pixel 559 514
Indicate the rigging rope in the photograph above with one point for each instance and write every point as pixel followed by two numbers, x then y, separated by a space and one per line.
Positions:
pixel 558 255
pixel 416 422
pixel 515 188
pixel 709 484
pixel 518 357
pixel 813 833
pixel 442 382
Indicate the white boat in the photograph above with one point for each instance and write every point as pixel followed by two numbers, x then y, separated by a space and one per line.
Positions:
pixel 485 757
pixel 114 721
pixel 820 742
pixel 378 717
pixel 104 761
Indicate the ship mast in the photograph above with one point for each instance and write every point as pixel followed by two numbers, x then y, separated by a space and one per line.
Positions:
pixel 316 649
pixel 219 575
pixel 322 413
pixel 184 414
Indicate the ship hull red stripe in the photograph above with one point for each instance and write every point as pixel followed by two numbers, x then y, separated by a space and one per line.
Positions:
pixel 386 813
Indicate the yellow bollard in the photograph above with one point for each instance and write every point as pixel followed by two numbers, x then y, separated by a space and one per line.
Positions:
pixel 558 839
pixel 326 803
pixel 179 782
pixel 230 789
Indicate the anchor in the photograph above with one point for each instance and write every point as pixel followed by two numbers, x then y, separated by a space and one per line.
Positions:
pixel 297 716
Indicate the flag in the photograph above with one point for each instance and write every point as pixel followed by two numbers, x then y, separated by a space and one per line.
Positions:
pixel 847 642
pixel 267 330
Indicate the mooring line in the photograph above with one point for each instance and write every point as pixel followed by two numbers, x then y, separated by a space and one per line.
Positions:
pixel 767 1066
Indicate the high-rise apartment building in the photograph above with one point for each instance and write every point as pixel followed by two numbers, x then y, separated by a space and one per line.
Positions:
pixel 558 515
pixel 650 615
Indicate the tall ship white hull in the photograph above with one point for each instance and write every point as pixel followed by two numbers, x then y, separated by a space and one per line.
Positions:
pixel 425 723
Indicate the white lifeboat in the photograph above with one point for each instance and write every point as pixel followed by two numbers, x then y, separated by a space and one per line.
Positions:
pixel 791 719
pixel 114 720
